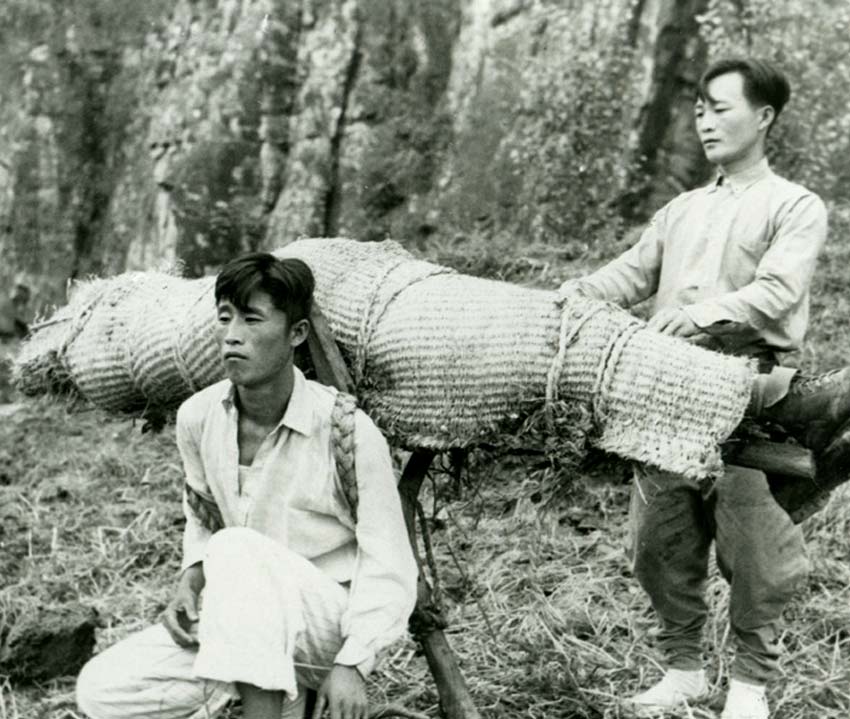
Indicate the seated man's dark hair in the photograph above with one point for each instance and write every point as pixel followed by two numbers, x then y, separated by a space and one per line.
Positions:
pixel 289 282
pixel 763 83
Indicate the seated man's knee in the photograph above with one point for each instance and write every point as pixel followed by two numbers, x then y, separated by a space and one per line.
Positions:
pixel 237 549
pixel 95 689
pixel 231 546
pixel 234 539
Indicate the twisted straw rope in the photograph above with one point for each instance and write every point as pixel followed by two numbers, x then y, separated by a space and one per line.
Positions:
pixel 607 369
pixel 374 312
pixel 78 323
pixel 344 445
pixel 566 337
pixel 367 323
pixel 179 360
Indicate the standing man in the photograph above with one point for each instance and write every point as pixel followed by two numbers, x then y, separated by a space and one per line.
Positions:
pixel 298 589
pixel 730 265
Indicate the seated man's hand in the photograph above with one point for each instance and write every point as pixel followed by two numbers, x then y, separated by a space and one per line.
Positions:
pixel 674 322
pixel 342 694
pixel 180 617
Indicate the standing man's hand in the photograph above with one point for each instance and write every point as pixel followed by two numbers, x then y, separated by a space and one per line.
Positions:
pixel 342 694
pixel 674 322
pixel 180 617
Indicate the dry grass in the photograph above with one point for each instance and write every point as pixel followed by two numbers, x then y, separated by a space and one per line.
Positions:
pixel 544 613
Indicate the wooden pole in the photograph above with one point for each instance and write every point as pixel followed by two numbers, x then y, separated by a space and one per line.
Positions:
pixel 427 622
pixel 791 473
pixel 788 460
pixel 324 351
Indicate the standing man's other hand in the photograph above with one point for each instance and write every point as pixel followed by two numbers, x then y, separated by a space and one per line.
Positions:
pixel 674 322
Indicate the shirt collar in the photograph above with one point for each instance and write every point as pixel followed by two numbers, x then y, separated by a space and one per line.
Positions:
pixel 298 415
pixel 740 181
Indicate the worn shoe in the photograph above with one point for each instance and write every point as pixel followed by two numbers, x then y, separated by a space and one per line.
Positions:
pixel 745 701
pixel 814 408
pixel 676 687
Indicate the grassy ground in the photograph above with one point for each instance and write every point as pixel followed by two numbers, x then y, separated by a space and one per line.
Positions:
pixel 544 613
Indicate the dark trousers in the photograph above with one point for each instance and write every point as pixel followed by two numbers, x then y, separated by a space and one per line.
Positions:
pixel 759 551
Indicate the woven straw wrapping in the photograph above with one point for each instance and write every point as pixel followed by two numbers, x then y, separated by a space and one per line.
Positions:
pixel 440 359
pixel 450 357
pixel 135 340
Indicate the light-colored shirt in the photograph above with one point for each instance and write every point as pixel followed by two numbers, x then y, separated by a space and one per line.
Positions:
pixel 291 493
pixel 737 256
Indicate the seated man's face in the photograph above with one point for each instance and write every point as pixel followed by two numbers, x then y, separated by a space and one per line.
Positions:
pixel 257 342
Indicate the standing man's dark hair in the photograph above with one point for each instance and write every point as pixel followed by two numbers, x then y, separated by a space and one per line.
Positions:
pixel 764 84
pixel 288 282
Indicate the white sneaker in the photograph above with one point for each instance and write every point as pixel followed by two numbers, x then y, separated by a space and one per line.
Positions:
pixel 745 701
pixel 676 687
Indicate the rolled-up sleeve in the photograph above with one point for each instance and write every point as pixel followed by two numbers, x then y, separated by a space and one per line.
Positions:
pixel 195 535
pixel 782 277
pixel 383 587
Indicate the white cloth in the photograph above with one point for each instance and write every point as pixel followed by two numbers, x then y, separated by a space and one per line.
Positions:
pixel 147 676
pixel 293 496
pixel 270 618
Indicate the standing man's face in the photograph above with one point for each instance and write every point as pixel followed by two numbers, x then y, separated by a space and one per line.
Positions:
pixel 257 344
pixel 731 129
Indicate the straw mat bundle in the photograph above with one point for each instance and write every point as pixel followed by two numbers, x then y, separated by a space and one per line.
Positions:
pixel 440 359
pixel 135 340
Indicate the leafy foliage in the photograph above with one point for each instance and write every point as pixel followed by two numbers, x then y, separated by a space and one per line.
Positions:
pixel 811 43
pixel 574 129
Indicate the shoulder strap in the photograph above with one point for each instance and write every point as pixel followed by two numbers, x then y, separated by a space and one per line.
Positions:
pixel 343 444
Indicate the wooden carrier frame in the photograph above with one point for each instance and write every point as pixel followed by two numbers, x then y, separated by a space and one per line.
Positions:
pixel 426 622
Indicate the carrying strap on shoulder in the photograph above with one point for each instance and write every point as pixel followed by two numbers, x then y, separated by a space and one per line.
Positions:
pixel 342 443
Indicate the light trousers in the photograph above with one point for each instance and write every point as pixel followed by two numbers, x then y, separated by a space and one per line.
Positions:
pixel 270 618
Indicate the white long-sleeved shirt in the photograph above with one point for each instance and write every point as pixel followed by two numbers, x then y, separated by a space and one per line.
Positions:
pixel 737 256
pixel 291 494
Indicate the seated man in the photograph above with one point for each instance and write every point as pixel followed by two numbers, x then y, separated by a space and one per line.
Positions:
pixel 302 587
pixel 730 266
